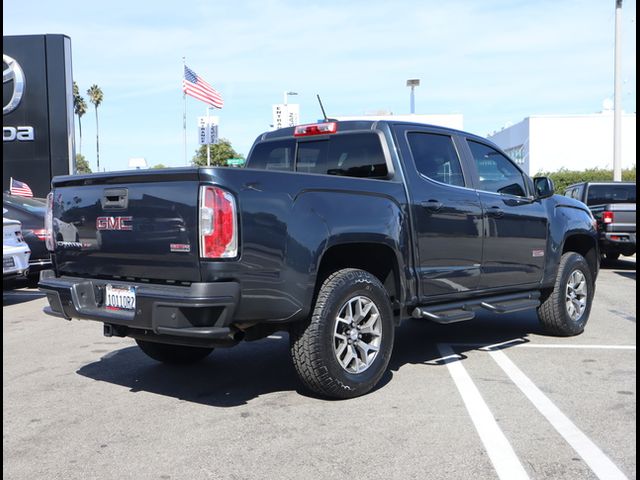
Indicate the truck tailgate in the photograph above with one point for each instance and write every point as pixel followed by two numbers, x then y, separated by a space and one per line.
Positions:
pixel 128 226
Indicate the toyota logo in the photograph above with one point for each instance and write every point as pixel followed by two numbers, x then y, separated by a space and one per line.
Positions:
pixel 12 71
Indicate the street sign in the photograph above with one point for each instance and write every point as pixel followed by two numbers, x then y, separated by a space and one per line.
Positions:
pixel 235 161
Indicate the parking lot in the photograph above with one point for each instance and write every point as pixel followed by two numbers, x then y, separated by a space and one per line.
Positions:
pixel 491 398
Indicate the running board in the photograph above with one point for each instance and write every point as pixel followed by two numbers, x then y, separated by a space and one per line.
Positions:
pixel 463 311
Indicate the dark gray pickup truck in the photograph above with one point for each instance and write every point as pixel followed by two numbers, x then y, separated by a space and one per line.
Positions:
pixel 334 232
pixel 613 204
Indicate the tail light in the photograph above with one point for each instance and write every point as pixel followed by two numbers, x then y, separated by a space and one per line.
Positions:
pixel 607 217
pixel 40 233
pixel 218 223
pixel 48 223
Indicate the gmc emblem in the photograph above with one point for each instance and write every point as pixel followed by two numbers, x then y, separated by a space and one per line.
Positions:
pixel 113 223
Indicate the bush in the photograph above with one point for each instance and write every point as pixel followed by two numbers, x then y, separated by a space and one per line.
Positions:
pixel 563 177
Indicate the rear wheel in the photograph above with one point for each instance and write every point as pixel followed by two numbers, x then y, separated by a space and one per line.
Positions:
pixel 173 354
pixel 565 311
pixel 343 350
pixel 612 256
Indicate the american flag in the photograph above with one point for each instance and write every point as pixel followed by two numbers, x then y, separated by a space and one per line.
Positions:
pixel 196 87
pixel 19 188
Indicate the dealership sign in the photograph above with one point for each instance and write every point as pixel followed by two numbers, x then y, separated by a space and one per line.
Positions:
pixel 285 115
pixel 37 109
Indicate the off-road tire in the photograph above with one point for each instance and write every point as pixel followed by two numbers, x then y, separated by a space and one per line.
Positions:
pixel 173 354
pixel 552 312
pixel 312 341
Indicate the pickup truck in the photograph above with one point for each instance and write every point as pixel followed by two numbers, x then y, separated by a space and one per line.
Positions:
pixel 613 204
pixel 334 232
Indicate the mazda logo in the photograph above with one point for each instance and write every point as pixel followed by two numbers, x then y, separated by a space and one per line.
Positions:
pixel 12 71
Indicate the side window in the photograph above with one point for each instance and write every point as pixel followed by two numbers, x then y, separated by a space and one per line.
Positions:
pixel 496 172
pixel 276 155
pixel 435 157
pixel 570 192
pixel 350 155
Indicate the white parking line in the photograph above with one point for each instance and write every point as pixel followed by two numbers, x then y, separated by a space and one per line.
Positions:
pixel 522 343
pixel 503 458
pixel 560 345
pixel 601 465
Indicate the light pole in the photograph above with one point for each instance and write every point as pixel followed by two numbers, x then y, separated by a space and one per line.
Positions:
pixel 413 83
pixel 286 94
pixel 617 94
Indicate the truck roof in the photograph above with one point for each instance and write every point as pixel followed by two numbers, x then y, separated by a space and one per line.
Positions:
pixel 347 125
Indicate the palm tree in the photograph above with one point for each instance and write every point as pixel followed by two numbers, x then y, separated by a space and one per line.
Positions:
pixel 80 108
pixel 96 97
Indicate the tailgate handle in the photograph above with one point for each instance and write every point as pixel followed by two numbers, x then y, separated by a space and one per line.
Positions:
pixel 115 199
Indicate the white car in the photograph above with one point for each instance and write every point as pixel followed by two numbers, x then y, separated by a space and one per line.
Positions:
pixel 15 251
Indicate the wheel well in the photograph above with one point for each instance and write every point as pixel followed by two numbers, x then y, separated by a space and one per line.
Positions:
pixel 585 246
pixel 377 259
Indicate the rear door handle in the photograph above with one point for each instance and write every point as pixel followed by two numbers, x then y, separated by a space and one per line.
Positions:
pixel 494 211
pixel 432 205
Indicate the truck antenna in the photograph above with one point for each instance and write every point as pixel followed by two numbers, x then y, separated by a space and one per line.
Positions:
pixel 322 108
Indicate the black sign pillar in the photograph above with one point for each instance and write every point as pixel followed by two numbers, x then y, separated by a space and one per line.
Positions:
pixel 37 113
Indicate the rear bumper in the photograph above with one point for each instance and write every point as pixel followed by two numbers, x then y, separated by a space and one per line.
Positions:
pixel 618 241
pixel 198 314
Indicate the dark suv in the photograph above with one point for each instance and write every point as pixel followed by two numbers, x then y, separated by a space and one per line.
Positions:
pixel 30 212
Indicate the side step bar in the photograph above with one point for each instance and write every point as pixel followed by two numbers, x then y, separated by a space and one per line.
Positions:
pixel 463 311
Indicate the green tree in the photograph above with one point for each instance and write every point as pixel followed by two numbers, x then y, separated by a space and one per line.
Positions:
pixel 79 108
pixel 82 166
pixel 96 96
pixel 220 153
pixel 563 177
pixel 159 165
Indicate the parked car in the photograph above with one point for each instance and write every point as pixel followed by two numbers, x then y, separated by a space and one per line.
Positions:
pixel 15 251
pixel 334 232
pixel 30 213
pixel 613 205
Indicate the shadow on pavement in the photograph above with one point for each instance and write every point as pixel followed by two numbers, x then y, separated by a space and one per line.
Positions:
pixel 631 275
pixel 17 296
pixel 621 264
pixel 235 376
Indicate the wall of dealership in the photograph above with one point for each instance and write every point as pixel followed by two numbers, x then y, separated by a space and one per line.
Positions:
pixel 547 143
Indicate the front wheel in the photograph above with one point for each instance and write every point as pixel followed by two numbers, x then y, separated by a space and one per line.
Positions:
pixel 173 354
pixel 565 311
pixel 343 350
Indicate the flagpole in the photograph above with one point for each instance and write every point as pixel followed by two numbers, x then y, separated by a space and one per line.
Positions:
pixel 184 116
pixel 209 140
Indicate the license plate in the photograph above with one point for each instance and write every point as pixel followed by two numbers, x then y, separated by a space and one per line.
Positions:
pixel 8 262
pixel 120 297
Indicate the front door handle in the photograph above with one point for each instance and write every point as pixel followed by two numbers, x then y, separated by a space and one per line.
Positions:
pixel 432 205
pixel 495 212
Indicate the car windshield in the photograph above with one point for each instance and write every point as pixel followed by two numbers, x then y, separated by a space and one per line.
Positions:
pixel 600 194
pixel 31 205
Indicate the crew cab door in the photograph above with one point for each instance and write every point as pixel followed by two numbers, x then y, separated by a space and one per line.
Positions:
pixel 446 213
pixel 515 224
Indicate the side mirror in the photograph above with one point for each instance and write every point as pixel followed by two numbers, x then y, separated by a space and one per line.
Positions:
pixel 544 187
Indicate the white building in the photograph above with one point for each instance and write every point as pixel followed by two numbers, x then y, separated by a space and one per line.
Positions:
pixel 450 120
pixel 547 143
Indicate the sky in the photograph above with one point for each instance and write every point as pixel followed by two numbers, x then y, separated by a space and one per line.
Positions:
pixel 494 61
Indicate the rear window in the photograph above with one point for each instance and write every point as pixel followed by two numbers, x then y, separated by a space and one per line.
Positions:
pixel 350 155
pixel 276 155
pixel 30 205
pixel 599 194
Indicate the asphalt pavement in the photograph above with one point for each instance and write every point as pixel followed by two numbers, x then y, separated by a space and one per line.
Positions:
pixel 491 398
